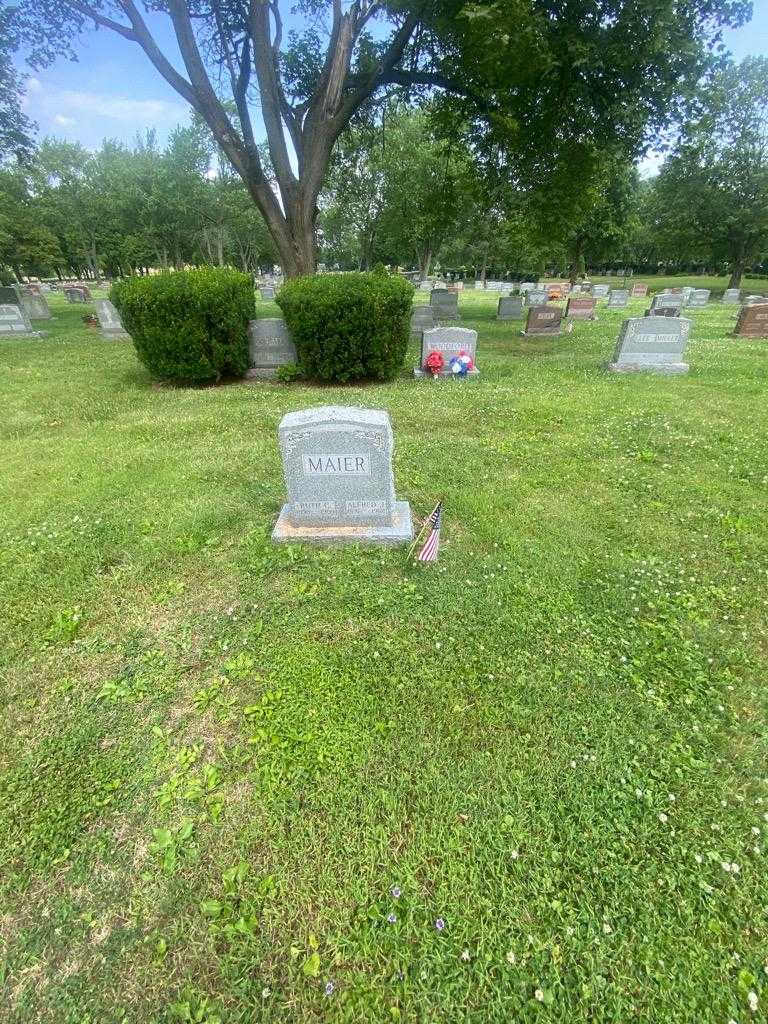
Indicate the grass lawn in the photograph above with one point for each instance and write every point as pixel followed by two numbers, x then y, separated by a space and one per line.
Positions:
pixel 242 782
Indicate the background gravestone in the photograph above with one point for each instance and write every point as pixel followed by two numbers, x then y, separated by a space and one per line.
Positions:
pixel 699 298
pixel 270 345
pixel 337 462
pixel 445 304
pixel 581 308
pixel 639 291
pixel 14 323
pixel 543 321
pixel 668 300
pixel 510 308
pixel 422 319
pixel 36 306
pixel 652 343
pixel 618 298
pixel 10 295
pixel 732 296
pixel 752 322
pixel 75 295
pixel 663 311
pixel 267 292
pixel 449 342
pixel 754 300
pixel 536 297
pixel 110 324
pixel 601 291
pixel 576 289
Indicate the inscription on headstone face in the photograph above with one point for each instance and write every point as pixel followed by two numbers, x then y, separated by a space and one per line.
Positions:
pixel 270 345
pixel 110 324
pixel 668 300
pixel 752 322
pixel 754 300
pixel 527 286
pixel 543 320
pixel 536 297
pixel 617 298
pixel 663 311
pixel 337 462
pixel 14 322
pixel 449 342
pixel 639 291
pixel 10 295
pixel 601 291
pixel 510 308
pixel 652 343
pixel 581 308
pixel 732 296
pixel 445 304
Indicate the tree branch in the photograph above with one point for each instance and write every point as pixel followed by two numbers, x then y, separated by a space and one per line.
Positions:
pixel 100 19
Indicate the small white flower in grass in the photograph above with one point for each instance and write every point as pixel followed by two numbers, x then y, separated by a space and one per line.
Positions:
pixel 510 957
pixel 698 858
pixel 573 764
pixel 755 830
pixel 515 854
pixel 265 993
pixel 539 995
pixel 607 930
pixel 465 955
pixel 735 868
pixel 663 818
pixel 752 1000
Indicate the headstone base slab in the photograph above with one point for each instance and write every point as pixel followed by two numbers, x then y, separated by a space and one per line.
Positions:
pixel 420 374
pixel 400 532
pixel 667 369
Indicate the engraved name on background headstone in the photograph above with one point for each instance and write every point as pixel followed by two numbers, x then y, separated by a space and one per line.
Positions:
pixel 15 323
pixel 580 308
pixel 536 297
pixel 445 304
pixel 422 319
pixel 449 342
pixel 74 294
pixel 270 345
pixel 601 291
pixel 337 462
pixel 543 320
pixel 617 298
pixel 699 297
pixel 639 291
pixel 510 308
pixel 732 296
pixel 110 324
pixel 652 343
pixel 752 322
pixel 267 292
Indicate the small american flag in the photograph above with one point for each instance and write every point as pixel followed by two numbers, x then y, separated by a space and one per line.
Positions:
pixel 429 552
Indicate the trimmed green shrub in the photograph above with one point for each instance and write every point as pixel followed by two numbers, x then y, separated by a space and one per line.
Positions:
pixel 348 327
pixel 189 326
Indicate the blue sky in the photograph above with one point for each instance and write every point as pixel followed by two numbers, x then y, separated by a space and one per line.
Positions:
pixel 113 92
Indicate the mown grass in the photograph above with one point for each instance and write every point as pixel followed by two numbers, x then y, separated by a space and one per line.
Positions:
pixel 220 757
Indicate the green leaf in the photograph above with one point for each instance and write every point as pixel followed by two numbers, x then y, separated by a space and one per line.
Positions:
pixel 311 967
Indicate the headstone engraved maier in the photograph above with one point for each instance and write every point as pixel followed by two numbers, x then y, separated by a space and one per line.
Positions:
pixel 639 291
pixel 449 342
pixel 652 343
pixel 601 291
pixel 732 296
pixel 270 345
pixel 618 298
pixel 699 298
pixel 510 308
pixel 337 462
pixel 752 322
pixel 422 319
pixel 74 294
pixel 445 304
pixel 543 320
pixel 110 324
pixel 536 297
pixel 581 308
pixel 14 323
pixel 267 292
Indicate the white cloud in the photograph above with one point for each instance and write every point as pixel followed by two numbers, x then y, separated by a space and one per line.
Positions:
pixel 121 108
pixel 65 122
pixel 34 85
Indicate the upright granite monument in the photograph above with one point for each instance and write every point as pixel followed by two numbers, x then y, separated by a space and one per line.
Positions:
pixel 14 323
pixel 618 298
pixel 422 319
pixel 270 346
pixel 449 342
pixel 732 296
pixel 445 304
pixel 543 321
pixel 510 308
pixel 581 308
pixel 752 322
pixel 653 343
pixel 110 324
pixel 699 298
pixel 337 462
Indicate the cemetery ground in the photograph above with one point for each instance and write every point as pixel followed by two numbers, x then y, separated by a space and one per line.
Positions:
pixel 249 782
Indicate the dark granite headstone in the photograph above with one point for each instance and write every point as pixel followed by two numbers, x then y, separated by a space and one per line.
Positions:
pixel 581 308
pixel 752 322
pixel 543 320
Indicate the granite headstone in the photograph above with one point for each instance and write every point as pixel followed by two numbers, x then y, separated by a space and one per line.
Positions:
pixel 652 343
